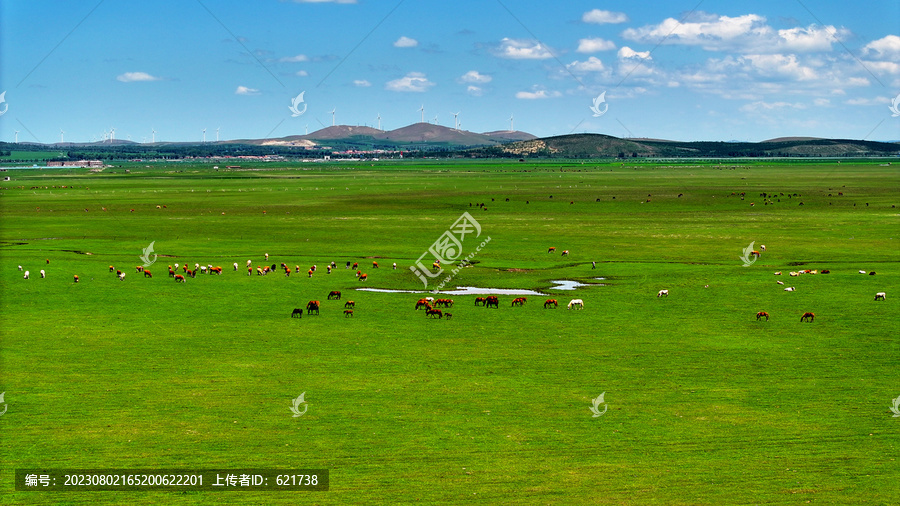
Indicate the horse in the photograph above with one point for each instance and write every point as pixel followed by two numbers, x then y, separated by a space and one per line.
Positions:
pixel 762 314
pixel 334 294
pixel 311 306
pixel 297 313
pixel 551 303
pixel 808 317
pixel 75 279
pixel 422 303
pixel 576 303
pixel 518 301
pixel 348 312
pixel 482 300
pixel 147 274
pixel 431 313
pixel 492 301
pixel 179 278
pixel 349 304
pixel 447 316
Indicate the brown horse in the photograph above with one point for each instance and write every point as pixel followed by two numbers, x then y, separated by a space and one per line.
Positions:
pixel 311 306
pixel 482 300
pixel 422 303
pixel 551 303
pixel 808 317
pixel 447 316
pixel 179 278
pixel 552 249
pixel 139 268
pixel 334 294
pixel 762 314
pixel 348 312
pixel 431 313
pixel 297 313
pixel 492 301
pixel 363 277
pixel 349 304
pixel 147 274
pixel 519 301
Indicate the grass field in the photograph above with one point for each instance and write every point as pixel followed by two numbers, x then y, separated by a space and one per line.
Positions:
pixel 705 405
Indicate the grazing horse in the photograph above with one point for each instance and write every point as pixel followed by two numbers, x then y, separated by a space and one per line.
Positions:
pixel 551 303
pixel 179 278
pixel 762 314
pixel 576 304
pixel 482 300
pixel 443 302
pixel 789 289
pixel 334 294
pixel 349 304
pixel 492 301
pixel 297 313
pixel 880 296
pixel 518 301
pixel 311 306
pixel 552 249
pixel 422 303
pixel 348 312
pixel 662 293
pixel 826 271
pixel 431 313
pixel 447 316
pixel 147 274
pixel 808 317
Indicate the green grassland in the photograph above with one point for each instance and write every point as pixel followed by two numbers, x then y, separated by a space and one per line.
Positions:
pixel 705 404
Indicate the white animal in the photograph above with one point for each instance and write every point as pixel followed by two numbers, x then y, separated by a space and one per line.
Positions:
pixel 20 267
pixel 249 263
pixel 176 267
pixel 235 266
pixel 43 274
pixel 27 274
pixel 880 296
pixel 861 272
pixel 778 273
pixel 780 282
pixel 762 247
pixel 429 299
pixel 576 304
pixel 795 274
pixel 267 257
pixel 663 293
pixel 789 289
pixel 122 277
pixel 395 266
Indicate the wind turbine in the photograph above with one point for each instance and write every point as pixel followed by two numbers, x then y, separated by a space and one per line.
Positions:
pixel 204 135
pixel 379 121
pixel 17 136
pixel 307 129
pixel 61 136
pixel 423 112
pixel 435 119
pixel 112 135
pixel 154 135
pixel 456 120
pixel 511 129
pixel 217 134
pixel 332 115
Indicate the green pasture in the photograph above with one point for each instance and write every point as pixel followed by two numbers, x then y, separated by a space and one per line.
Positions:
pixel 705 405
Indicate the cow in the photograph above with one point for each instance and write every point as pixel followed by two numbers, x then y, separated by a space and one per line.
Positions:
pixel 431 313
pixel 565 253
pixel 311 306
pixel 111 268
pixel 334 294
pixel 179 278
pixel 518 301
pixel 808 317
pixel 880 296
pixel 762 314
pixel 349 304
pixel 348 312
pixel 363 277
pixel 75 279
pixel 482 300
pixel 374 265
pixel 492 301
pixel 43 274
pixel 576 304
pixel 789 289
pixel 662 293
pixel 297 313
pixel 27 274
pixel 552 249
pixel 121 276
pixel 139 268
pixel 147 274
pixel 551 303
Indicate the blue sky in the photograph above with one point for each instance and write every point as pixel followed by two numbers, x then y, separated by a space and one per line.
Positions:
pixel 713 70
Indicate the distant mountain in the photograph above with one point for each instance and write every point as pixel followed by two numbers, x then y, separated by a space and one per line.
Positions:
pixel 342 132
pixel 415 134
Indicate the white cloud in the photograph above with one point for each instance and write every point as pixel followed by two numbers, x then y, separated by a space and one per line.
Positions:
pixel 414 81
pixel 886 48
pixel 406 42
pixel 822 102
pixel 594 45
pixel 475 91
pixel 243 90
pixel 537 94
pixel 520 49
pixel 294 59
pixel 761 106
pixel 301 73
pixel 626 53
pixel 473 76
pixel 133 77
pixel 593 64
pixel 362 83
pixel 604 17
pixel 868 101
pixel 781 65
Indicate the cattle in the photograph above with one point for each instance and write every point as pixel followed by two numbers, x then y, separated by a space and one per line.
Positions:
pixel 395 266
pixel 349 304
pixel 762 247
pixel 139 268
pixel 334 295
pixel 880 296
pixel 565 253
pixel 431 313
pixel 780 282
pixel 551 303
pixel 518 301
pixel 147 274
pixel 552 249
pixel 374 265
pixel 492 301
pixel 43 274
pixel 179 278
pixel 662 293
pixel 348 312
pixel 75 278
pixel 809 317
pixel 762 314
pixel 27 275
pixel 355 265
pixel 482 300
pixel 171 273
pixel 778 273
pixel 311 306
pixel 297 313
pixel 235 266
pixel 363 277
pixel 826 271
pixel 422 303
pixel 111 269
pixel 872 273
pixel 121 276
pixel 576 304
pixel 789 289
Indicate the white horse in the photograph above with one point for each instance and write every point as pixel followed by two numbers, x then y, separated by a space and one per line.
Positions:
pixel 576 303
pixel 663 293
